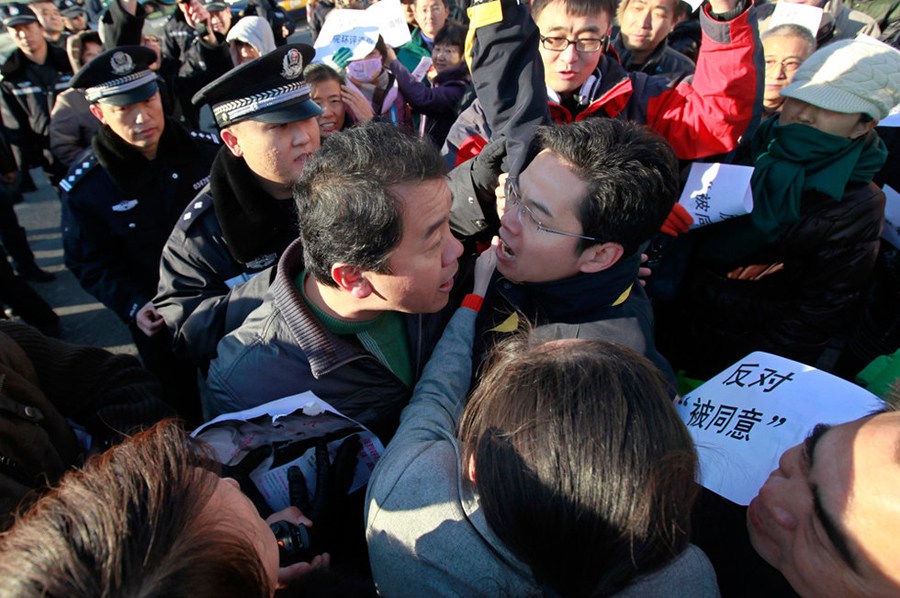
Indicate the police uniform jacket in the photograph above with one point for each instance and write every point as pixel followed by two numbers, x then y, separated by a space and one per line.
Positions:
pixel 27 93
pixel 229 233
pixel 119 208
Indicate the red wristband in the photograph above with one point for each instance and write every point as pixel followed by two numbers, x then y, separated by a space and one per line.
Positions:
pixel 473 302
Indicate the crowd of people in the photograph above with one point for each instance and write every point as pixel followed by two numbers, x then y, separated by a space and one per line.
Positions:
pixel 470 243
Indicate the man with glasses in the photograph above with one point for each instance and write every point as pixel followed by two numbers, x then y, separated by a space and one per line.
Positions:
pixel 786 47
pixel 700 118
pixel 568 250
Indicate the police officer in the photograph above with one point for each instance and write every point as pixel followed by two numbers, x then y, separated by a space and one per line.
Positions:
pixel 33 75
pixel 122 199
pixel 239 224
pixel 193 55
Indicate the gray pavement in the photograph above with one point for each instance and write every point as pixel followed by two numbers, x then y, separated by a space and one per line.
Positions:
pixel 83 319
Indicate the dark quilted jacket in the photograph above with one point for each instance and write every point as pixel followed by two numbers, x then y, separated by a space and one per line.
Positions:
pixel 828 257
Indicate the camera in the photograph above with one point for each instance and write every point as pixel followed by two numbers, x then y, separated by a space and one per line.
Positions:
pixel 294 543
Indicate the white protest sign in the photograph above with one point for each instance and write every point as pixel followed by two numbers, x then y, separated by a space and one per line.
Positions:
pixel 715 192
pixel 891 230
pixel 809 17
pixel 893 120
pixel 743 419
pixel 358 30
pixel 292 426
pixel 695 4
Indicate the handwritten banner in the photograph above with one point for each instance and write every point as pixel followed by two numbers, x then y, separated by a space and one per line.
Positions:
pixel 743 419
pixel 715 192
pixel 358 30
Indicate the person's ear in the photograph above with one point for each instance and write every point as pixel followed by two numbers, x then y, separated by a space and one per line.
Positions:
pixel 231 142
pixel 862 128
pixel 597 258
pixel 351 279
pixel 97 111
pixel 470 469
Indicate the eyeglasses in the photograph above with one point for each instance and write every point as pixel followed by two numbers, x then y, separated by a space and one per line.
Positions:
pixel 583 45
pixel 790 65
pixel 512 193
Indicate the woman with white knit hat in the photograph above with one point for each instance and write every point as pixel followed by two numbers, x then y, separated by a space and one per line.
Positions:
pixel 788 277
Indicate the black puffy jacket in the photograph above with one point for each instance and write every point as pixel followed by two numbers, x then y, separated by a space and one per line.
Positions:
pixel 828 257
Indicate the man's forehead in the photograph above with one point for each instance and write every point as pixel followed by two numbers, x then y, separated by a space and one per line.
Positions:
pixel 556 14
pixel 857 475
pixel 670 4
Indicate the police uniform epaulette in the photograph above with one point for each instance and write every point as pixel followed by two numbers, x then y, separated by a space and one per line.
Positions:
pixel 193 211
pixel 211 137
pixel 78 171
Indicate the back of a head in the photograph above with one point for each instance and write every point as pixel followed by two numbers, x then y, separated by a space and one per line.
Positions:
pixel 346 207
pixel 631 174
pixel 582 466
pixel 131 524
pixel 579 8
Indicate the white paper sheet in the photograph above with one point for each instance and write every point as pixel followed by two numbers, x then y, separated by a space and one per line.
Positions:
pixel 232 436
pixel 743 419
pixel 809 17
pixel 715 192
pixel 359 30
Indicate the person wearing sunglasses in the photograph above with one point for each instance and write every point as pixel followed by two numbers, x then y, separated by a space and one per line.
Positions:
pixel 568 255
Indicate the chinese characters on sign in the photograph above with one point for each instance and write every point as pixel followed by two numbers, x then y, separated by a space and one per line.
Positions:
pixel 715 192
pixel 743 419
pixel 728 419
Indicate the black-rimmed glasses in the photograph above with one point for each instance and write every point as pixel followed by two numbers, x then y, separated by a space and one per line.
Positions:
pixel 584 45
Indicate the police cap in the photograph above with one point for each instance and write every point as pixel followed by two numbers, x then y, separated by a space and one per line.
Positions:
pixel 119 77
pixel 270 89
pixel 69 8
pixel 17 14
pixel 214 5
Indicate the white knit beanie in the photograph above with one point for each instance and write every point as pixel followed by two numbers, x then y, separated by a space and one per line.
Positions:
pixel 849 76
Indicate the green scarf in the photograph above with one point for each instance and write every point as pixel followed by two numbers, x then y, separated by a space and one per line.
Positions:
pixel 793 160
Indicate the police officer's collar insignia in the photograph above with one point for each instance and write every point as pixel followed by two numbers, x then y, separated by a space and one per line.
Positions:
pixel 121 63
pixel 124 206
pixel 292 65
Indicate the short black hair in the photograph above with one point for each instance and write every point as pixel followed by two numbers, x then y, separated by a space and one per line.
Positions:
pixel 319 72
pixel 631 174
pixel 345 203
pixel 451 34
pixel 583 467
pixel 579 8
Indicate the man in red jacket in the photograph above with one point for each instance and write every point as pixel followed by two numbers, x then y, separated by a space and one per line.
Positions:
pixel 703 117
